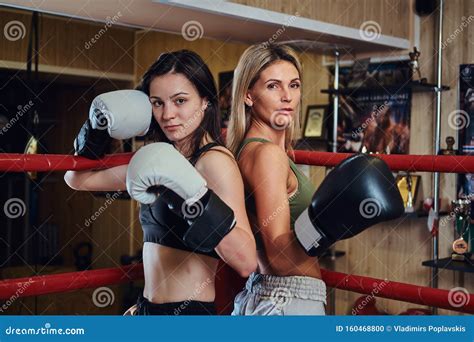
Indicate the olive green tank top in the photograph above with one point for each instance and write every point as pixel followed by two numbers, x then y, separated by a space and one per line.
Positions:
pixel 299 200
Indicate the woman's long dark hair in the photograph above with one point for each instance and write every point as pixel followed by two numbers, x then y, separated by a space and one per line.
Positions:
pixel 191 65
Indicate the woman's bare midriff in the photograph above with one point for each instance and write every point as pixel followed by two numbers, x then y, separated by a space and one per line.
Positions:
pixel 172 275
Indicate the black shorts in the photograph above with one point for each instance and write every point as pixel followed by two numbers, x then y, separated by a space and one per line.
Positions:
pixel 188 307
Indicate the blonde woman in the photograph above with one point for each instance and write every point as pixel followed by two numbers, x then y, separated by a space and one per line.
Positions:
pixel 292 226
pixel 263 123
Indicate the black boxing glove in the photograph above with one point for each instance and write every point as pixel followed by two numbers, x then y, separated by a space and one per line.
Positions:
pixel 90 142
pixel 358 193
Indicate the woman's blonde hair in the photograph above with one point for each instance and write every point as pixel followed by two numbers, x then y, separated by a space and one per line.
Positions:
pixel 252 62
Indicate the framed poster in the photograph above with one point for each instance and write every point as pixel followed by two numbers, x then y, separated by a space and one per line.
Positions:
pixel 375 116
pixel 314 127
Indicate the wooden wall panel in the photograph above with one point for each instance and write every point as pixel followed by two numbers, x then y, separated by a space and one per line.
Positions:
pixel 315 78
pixel 66 42
pixel 388 14
pixel 220 56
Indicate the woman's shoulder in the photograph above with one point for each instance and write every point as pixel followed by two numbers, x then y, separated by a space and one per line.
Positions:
pixel 216 153
pixel 263 152
pixel 263 158
pixel 216 159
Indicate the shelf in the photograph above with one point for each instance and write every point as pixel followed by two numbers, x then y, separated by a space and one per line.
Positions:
pixel 413 86
pixel 67 71
pixel 222 20
pixel 449 264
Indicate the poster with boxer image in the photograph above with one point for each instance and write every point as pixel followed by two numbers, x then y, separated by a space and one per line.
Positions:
pixel 463 121
pixel 380 124
pixel 375 116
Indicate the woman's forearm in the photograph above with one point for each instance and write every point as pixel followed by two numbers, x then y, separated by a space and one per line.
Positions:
pixel 238 250
pixel 285 255
pixel 112 179
pixel 76 179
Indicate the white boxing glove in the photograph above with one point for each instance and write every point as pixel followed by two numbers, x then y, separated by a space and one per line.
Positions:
pixel 159 167
pixel 124 113
pixel 160 164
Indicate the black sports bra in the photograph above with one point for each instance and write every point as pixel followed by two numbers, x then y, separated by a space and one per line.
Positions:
pixel 161 226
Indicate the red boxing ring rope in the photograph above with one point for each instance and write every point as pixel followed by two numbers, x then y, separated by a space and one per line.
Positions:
pixel 40 285
pixel 15 162
pixel 396 162
pixel 398 291
pixel 71 281
pixel 57 283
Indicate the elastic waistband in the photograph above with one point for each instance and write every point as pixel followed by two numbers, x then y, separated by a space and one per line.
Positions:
pixel 291 286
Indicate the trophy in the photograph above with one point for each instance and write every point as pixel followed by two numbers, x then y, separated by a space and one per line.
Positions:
pixel 407 185
pixel 449 151
pixel 462 210
pixel 415 66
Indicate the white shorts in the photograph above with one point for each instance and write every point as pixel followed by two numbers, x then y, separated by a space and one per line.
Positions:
pixel 281 296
